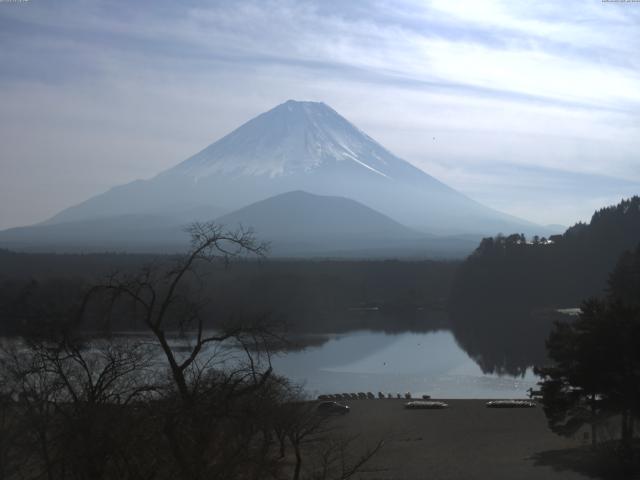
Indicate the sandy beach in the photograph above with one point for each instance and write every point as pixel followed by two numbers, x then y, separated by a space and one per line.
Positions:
pixel 465 441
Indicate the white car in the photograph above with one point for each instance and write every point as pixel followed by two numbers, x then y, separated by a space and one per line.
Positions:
pixel 425 405
pixel 511 404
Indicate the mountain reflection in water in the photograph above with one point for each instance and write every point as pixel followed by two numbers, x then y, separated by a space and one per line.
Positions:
pixel 421 363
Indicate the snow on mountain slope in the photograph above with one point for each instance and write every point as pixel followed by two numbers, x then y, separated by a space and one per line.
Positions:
pixel 302 146
pixel 295 137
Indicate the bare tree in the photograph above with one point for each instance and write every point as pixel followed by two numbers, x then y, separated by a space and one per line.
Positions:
pixel 196 402
pixel 209 377
pixel 321 451
pixel 159 299
pixel 71 401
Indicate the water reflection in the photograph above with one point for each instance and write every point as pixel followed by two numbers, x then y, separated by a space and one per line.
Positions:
pixel 422 363
pixel 503 340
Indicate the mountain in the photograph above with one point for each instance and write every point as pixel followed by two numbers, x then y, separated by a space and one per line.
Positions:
pixel 294 223
pixel 298 223
pixel 301 146
pixel 303 215
pixel 132 232
pixel 122 233
pixel 555 228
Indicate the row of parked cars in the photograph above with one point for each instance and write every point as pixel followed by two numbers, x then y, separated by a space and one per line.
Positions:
pixel 367 396
pixel 333 407
pixel 421 404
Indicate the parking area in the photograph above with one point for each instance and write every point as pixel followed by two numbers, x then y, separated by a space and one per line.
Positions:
pixel 466 440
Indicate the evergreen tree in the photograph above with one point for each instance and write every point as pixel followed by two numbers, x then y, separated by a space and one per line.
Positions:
pixel 596 370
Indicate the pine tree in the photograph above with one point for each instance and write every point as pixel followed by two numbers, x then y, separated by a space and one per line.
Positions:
pixel 596 360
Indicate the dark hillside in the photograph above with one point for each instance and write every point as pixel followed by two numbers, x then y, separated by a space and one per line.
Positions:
pixel 505 294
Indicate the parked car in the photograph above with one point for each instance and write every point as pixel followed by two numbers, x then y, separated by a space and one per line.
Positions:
pixel 425 405
pixel 331 408
pixel 511 404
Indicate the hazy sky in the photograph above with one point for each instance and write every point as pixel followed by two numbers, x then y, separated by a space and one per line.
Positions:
pixel 534 106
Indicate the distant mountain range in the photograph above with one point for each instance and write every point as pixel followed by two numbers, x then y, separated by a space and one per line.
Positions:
pixel 296 224
pixel 359 196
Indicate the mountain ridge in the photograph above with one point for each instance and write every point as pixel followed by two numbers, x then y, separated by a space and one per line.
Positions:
pixel 297 224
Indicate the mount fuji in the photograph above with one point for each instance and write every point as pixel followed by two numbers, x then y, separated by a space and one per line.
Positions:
pixel 296 146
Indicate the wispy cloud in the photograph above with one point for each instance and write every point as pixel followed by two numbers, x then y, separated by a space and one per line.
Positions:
pixel 98 93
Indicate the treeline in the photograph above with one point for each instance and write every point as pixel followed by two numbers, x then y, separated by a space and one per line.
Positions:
pixel 505 294
pixel 555 272
pixel 308 296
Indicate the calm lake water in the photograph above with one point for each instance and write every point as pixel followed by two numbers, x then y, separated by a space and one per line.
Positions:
pixel 421 363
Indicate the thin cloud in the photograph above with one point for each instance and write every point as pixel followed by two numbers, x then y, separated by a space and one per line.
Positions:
pixel 122 90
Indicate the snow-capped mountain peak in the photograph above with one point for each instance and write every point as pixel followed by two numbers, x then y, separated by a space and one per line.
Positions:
pixel 292 138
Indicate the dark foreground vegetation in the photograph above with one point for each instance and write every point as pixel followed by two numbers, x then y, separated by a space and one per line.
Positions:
pixel 204 404
pixel 595 375
pixel 505 296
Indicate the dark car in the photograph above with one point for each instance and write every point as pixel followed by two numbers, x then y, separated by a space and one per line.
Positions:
pixel 333 408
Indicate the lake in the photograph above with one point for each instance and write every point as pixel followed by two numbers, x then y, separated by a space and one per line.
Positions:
pixel 421 363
